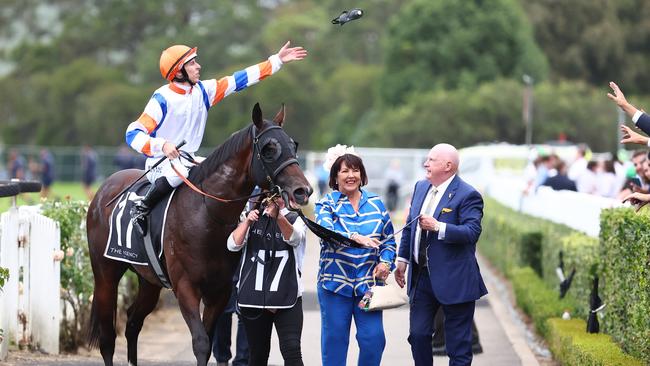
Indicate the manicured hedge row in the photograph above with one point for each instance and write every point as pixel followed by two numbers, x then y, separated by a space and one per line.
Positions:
pixel 621 259
pixel 568 339
pixel 573 346
pixel 536 299
pixel 625 264
pixel 511 239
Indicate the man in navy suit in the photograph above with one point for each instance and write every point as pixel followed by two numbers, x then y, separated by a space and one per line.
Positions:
pixel 439 251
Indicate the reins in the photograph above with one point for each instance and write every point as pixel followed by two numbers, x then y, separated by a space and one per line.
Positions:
pixel 276 190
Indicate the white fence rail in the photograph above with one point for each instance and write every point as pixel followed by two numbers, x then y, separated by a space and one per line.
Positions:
pixel 30 305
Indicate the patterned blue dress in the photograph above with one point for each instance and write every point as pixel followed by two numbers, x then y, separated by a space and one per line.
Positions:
pixel 348 271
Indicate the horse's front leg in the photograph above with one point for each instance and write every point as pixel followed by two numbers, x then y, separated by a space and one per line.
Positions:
pixel 213 309
pixel 189 300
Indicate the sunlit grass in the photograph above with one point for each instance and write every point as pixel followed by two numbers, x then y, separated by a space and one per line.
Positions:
pixel 59 191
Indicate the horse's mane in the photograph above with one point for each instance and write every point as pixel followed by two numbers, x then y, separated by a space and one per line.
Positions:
pixel 222 153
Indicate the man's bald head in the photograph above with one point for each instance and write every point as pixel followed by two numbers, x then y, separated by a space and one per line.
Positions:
pixel 442 162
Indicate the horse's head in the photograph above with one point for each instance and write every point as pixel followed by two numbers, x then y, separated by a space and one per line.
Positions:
pixel 274 158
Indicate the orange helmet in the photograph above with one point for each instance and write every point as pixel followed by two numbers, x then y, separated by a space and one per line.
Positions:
pixel 173 58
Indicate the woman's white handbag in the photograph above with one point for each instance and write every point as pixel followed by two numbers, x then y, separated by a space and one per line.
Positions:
pixel 383 297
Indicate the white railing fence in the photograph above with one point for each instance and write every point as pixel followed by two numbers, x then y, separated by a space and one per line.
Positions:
pixel 30 305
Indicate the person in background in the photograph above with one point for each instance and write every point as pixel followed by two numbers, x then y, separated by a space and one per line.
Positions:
pixel 322 177
pixel 606 180
pixel 394 178
pixel 88 170
pixel 560 181
pixel 46 168
pixel 123 159
pixel 579 166
pixel 439 336
pixel 222 339
pixel 588 182
pixel 16 165
pixel 346 273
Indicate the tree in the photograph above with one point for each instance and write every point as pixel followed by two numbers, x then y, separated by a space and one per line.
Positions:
pixel 450 44
pixel 595 40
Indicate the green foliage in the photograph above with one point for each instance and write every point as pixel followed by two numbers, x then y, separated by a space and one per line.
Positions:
pixel 511 239
pixel 4 276
pixel 625 249
pixel 450 44
pixel 537 299
pixel 76 273
pixel 572 345
pixel 492 112
pixel 530 251
pixel 595 40
pixel 84 69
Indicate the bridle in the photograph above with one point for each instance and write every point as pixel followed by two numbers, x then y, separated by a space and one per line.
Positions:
pixel 269 171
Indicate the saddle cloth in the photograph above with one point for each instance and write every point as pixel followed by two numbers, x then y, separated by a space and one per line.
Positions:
pixel 124 242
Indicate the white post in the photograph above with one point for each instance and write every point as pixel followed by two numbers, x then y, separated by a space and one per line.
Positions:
pixel 9 294
pixel 45 304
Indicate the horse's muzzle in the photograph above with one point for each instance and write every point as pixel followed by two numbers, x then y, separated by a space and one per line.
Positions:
pixel 301 195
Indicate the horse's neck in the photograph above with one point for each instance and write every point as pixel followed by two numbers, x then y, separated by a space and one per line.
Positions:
pixel 233 177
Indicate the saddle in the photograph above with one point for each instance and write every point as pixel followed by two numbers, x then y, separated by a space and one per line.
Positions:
pixel 124 243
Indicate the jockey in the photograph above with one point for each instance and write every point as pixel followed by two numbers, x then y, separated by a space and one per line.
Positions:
pixel 178 111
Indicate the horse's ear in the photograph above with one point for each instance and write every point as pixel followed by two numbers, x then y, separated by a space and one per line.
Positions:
pixel 279 118
pixel 258 120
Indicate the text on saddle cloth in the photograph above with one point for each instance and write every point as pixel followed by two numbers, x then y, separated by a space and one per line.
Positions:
pixel 124 243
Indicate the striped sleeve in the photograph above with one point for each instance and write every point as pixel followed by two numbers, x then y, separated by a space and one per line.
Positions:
pixel 388 249
pixel 140 134
pixel 323 211
pixel 240 80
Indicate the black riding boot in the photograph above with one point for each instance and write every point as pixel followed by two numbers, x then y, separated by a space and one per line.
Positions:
pixel 141 210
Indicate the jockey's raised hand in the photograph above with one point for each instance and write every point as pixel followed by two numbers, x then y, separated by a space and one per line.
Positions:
pixel 288 54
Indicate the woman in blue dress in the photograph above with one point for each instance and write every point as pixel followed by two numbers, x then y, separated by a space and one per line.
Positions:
pixel 345 272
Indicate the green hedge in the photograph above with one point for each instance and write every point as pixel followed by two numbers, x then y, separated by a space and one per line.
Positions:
pixel 621 259
pixel 573 346
pixel 568 339
pixel 536 299
pixel 511 239
pixel 625 249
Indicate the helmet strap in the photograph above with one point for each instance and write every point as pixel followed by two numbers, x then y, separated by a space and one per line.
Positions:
pixel 184 78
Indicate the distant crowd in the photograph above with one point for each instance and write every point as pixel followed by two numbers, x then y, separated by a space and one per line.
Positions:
pixel 42 167
pixel 613 178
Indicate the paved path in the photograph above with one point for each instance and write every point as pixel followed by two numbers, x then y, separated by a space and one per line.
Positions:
pixel 165 339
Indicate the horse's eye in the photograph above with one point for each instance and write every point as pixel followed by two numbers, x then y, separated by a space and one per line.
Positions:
pixel 271 151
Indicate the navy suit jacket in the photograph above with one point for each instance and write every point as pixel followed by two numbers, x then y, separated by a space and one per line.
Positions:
pixel 453 269
pixel 644 123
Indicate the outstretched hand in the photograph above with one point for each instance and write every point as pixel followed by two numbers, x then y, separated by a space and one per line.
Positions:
pixel 638 199
pixel 618 95
pixel 632 137
pixel 288 54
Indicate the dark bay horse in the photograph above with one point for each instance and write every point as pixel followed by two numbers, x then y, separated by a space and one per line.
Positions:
pixel 199 264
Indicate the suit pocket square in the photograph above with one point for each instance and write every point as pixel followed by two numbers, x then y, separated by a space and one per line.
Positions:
pixel 445 210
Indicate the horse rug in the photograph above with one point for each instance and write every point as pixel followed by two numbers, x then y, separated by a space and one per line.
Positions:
pixel 124 242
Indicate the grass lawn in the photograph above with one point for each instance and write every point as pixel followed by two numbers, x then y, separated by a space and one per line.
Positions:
pixel 58 191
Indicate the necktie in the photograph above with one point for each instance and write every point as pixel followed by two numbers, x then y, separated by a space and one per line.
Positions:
pixel 422 253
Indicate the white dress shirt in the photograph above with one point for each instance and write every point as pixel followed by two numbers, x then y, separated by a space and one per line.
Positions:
pixel 441 190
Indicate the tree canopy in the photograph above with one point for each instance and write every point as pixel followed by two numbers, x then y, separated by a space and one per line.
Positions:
pixel 82 70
